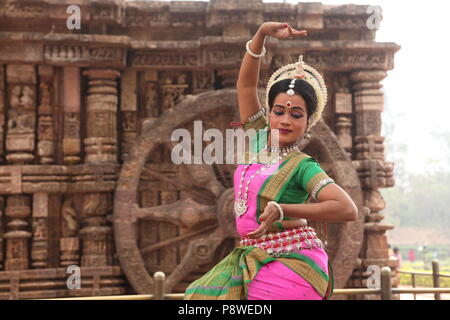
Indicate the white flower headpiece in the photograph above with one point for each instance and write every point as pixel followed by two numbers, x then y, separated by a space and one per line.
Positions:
pixel 300 70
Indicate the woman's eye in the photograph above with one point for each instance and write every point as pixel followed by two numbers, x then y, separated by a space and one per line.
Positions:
pixel 278 113
pixel 297 115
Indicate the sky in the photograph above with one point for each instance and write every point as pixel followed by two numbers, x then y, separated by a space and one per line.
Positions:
pixel 416 90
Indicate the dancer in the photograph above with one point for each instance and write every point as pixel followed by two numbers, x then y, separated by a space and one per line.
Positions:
pixel 280 256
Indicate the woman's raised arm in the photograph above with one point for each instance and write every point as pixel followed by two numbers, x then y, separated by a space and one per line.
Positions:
pixel 247 83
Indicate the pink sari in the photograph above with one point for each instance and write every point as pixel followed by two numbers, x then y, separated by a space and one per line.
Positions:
pixel 274 281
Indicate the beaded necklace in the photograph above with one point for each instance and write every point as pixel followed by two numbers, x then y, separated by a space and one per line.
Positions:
pixel 240 205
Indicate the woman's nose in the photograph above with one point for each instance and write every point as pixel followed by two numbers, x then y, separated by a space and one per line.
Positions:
pixel 285 119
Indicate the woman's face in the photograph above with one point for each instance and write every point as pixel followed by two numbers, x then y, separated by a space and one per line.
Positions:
pixel 289 118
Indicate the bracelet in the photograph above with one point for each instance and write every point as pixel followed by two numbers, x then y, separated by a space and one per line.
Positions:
pixel 247 47
pixel 256 116
pixel 279 209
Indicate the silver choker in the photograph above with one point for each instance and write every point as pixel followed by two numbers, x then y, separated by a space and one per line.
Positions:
pixel 283 150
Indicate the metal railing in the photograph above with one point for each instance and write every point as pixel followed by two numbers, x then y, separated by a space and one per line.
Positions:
pixel 386 291
pixel 434 273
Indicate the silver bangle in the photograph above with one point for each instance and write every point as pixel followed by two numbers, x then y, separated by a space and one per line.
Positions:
pixel 279 209
pixel 247 47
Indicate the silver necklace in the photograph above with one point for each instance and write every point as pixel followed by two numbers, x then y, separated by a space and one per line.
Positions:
pixel 240 205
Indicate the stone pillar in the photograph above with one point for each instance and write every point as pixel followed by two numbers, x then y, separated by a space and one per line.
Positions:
pixel 149 97
pixel 95 233
pixel 101 110
pixel 128 110
pixel 369 162
pixel 343 114
pixel 39 247
pixel 20 147
pixel 2 210
pixel 101 147
pixel 21 132
pixel 18 211
pixel 69 241
pixel 368 100
pixel 46 131
pixel 2 113
pixel 72 109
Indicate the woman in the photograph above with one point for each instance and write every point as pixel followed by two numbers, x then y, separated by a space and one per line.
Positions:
pixel 280 257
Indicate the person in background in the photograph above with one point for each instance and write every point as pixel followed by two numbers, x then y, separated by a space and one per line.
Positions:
pixel 398 256
pixel 391 253
pixel 411 255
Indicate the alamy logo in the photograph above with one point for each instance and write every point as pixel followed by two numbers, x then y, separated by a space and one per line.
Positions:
pixel 189 150
pixel 74 20
pixel 74 280
pixel 373 21
pixel 374 280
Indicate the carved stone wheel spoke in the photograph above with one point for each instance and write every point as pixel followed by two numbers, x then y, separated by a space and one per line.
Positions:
pixel 185 236
pixel 199 219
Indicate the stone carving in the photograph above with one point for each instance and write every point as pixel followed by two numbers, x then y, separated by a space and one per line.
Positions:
pixel 18 211
pixel 26 9
pixel 69 241
pixel 151 19
pixel 71 115
pixel 203 81
pixel 185 20
pixel 335 59
pixel 151 99
pixel 2 215
pixel 69 227
pixel 39 249
pixel 101 139
pixel 347 22
pixel 103 13
pixel 96 232
pixel 68 54
pixel 231 55
pixel 46 135
pixel 142 58
pixel 2 112
pixel 369 162
pixel 343 113
pixel 20 137
pixel 173 89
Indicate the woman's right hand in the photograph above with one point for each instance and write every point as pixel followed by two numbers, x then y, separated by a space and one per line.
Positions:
pixel 280 30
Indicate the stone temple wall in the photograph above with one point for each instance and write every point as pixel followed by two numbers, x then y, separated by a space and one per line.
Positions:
pixel 74 102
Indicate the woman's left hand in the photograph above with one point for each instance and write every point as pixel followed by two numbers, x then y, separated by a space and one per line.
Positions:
pixel 268 217
pixel 280 30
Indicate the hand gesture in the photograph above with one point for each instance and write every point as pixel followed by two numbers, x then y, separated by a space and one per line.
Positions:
pixel 280 30
pixel 268 217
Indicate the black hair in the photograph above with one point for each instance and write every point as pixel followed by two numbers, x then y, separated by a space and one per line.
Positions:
pixel 301 88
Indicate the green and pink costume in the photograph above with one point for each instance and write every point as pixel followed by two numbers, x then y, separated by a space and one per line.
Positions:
pixel 290 264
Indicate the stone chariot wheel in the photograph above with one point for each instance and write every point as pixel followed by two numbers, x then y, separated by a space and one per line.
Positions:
pixel 179 219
